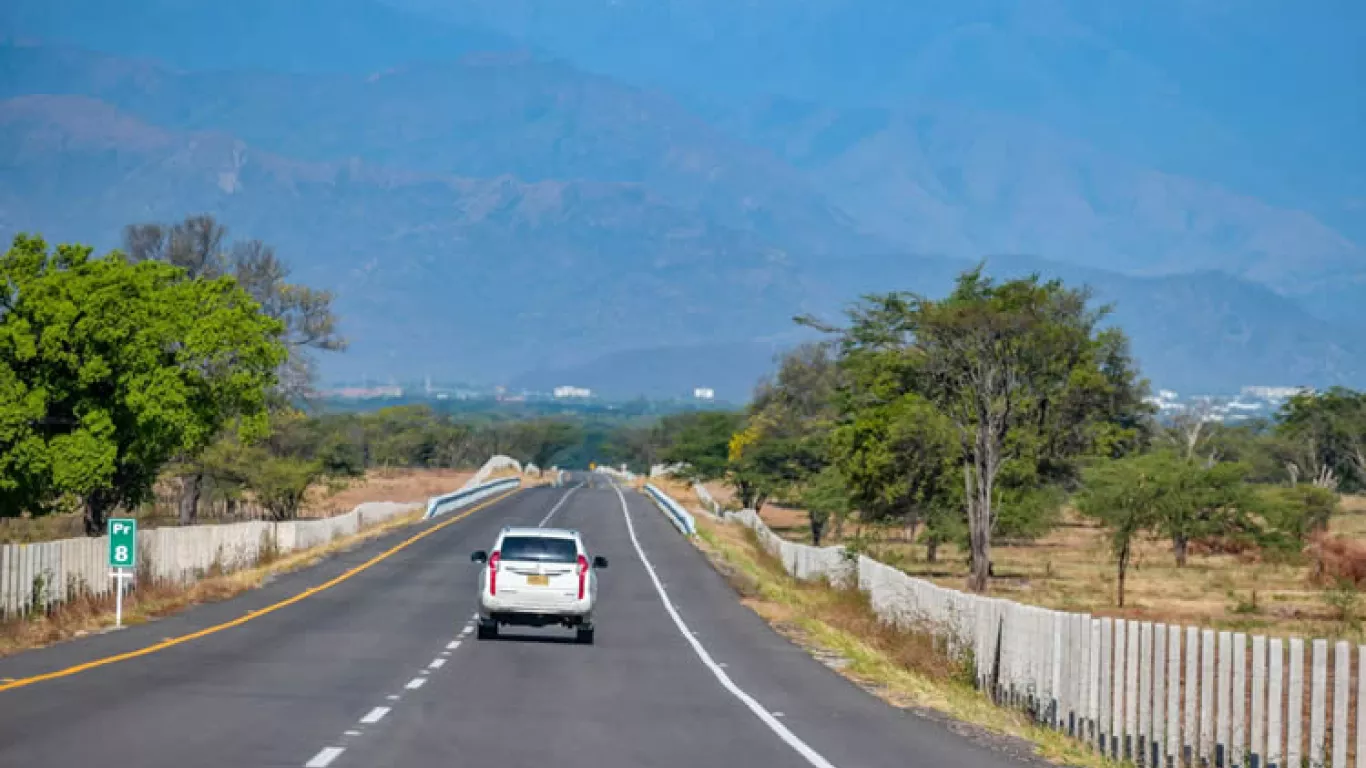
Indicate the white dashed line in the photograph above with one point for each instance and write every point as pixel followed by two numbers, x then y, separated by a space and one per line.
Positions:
pixel 437 663
pixel 452 645
pixel 324 758
pixel 800 747
pixel 415 683
pixel 557 506
pixel 466 630
pixel 375 715
pixel 350 733
pixel 393 697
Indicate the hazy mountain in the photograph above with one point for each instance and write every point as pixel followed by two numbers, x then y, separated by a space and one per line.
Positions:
pixel 948 180
pixel 1261 97
pixel 504 212
pixel 256 35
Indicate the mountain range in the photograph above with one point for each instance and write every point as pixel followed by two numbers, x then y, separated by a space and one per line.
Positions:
pixel 483 205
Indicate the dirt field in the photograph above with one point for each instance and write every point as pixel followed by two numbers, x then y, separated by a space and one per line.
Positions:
pixel 401 485
pixel 1072 569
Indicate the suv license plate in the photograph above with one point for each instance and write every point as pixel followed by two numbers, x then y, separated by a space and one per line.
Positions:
pixel 538 581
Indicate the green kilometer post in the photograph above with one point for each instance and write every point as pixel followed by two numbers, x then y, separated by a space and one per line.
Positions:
pixel 123 542
pixel 123 558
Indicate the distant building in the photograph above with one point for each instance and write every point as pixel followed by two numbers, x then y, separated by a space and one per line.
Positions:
pixel 1274 393
pixel 704 393
pixel 577 392
pixel 366 393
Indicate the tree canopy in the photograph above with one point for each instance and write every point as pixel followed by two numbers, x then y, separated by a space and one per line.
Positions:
pixel 109 369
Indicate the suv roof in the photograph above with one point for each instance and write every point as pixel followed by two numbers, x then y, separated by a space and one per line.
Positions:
pixel 546 533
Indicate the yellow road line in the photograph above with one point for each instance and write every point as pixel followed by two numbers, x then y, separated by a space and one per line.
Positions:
pixel 256 614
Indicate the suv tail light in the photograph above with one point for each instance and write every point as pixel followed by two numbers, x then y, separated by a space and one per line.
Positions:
pixel 493 572
pixel 583 574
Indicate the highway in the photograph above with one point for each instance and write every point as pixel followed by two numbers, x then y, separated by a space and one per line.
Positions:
pixel 381 668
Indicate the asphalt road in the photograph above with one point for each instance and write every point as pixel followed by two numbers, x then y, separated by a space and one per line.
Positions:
pixel 382 669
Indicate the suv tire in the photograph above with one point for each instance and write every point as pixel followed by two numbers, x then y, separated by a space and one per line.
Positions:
pixel 584 636
pixel 487 630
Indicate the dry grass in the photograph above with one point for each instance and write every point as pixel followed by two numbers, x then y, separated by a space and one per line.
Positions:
pixel 1072 569
pixel 401 485
pixel 152 601
pixel 904 668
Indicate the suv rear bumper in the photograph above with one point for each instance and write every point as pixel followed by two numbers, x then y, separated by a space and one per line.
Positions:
pixel 535 614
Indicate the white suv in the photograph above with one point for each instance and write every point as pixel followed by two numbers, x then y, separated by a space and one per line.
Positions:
pixel 535 577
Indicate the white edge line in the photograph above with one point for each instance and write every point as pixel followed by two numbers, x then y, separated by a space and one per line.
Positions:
pixel 324 758
pixel 800 747
pixel 415 683
pixel 375 715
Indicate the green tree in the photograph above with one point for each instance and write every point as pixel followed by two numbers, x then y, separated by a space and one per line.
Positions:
pixel 109 370
pixel 825 498
pixel 901 461
pixel 1328 431
pixel 702 441
pixel 1206 502
pixel 197 245
pixel 1020 368
pixel 1125 496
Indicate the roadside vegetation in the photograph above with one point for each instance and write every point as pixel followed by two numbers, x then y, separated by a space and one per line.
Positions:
pixel 904 668
pixel 1000 439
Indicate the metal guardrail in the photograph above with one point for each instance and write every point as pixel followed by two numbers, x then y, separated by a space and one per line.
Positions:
pixel 680 517
pixel 440 505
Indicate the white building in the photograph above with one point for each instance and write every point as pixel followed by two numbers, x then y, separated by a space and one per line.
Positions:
pixel 704 393
pixel 566 391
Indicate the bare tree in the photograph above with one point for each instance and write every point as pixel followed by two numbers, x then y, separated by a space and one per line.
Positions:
pixel 1190 429
pixel 197 245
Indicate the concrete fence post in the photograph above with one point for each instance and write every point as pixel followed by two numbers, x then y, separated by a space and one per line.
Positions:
pixel 1258 724
pixel 1342 681
pixel 1258 701
pixel 1107 683
pixel 1190 742
pixel 1094 682
pixel 1145 693
pixel 1224 697
pixel 1131 692
pixel 1275 691
pixel 1317 692
pixel 1173 750
pixel 1059 680
pixel 1207 662
pixel 1117 732
pixel 1294 719
pixel 1156 741
pixel 1361 706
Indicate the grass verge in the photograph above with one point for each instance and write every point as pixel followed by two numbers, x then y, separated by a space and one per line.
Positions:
pixel 906 669
pixel 149 602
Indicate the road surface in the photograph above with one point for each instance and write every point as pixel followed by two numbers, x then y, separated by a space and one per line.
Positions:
pixel 382 669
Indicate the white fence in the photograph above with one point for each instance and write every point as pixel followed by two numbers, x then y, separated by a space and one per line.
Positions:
pixel 1152 693
pixel 44 575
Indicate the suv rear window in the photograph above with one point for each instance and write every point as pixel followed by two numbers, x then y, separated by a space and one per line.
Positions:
pixel 539 549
